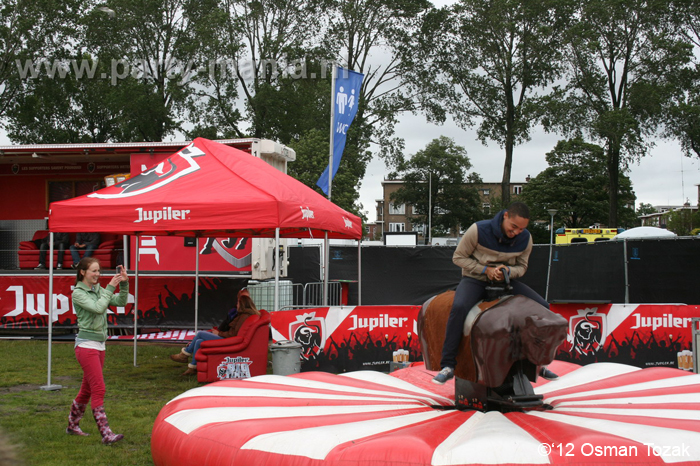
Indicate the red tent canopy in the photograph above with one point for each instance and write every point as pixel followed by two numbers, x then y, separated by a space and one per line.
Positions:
pixel 207 189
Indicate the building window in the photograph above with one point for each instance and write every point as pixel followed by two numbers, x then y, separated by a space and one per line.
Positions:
pixel 397 209
pixel 486 207
pixel 62 190
pixel 420 228
pixel 397 227
pixel 487 192
pixel 517 189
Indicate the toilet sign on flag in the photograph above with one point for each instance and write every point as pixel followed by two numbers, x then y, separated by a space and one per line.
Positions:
pixel 346 97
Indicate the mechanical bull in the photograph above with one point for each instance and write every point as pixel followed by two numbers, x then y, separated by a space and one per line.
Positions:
pixel 505 341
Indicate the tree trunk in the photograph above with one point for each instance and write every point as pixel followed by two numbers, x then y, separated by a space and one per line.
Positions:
pixel 614 181
pixel 510 142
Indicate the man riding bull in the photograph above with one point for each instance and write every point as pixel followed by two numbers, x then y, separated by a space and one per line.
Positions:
pixel 486 249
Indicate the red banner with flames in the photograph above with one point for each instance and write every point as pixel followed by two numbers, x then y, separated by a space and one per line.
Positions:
pixel 164 302
pixel 642 335
pixel 349 338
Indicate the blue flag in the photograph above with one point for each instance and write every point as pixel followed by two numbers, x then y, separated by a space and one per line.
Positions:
pixel 346 96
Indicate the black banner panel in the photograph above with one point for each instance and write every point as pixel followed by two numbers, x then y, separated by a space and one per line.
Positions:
pixel 664 271
pixel 591 272
pixel 396 275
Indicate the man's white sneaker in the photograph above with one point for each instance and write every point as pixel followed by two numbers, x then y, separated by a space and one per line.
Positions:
pixel 444 375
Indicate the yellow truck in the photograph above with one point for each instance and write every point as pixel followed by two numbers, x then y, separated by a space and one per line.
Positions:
pixel 585 235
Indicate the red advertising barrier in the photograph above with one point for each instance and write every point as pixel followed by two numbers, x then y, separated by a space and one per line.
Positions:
pixel 349 338
pixel 24 303
pixel 641 335
pixel 341 339
pixel 163 301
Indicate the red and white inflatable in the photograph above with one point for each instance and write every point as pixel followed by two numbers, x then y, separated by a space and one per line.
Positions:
pixel 602 413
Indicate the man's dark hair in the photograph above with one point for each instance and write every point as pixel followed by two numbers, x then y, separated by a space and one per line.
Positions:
pixel 519 209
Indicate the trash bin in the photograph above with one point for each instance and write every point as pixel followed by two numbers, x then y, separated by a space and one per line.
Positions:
pixel 286 357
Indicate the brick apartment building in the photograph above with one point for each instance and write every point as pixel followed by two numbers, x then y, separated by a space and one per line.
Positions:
pixel 395 218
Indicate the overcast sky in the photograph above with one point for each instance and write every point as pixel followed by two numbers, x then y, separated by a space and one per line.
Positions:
pixel 665 177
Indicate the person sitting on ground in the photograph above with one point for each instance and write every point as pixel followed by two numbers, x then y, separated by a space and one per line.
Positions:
pixel 228 328
pixel 487 249
pixel 87 241
pixel 60 240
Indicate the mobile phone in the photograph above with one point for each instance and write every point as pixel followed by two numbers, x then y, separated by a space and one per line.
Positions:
pixel 119 268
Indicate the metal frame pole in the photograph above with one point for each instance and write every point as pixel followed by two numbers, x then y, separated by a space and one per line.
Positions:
pixel 334 75
pixel 551 212
pixel 278 265
pixel 196 283
pixel 136 295
pixel 49 386
pixel 359 272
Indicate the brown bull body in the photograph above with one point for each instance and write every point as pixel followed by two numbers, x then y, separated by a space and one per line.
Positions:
pixel 504 331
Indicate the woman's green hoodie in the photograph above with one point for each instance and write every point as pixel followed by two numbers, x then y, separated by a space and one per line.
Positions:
pixel 91 308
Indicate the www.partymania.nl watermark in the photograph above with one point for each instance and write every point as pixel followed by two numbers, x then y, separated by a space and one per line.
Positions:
pixel 613 451
pixel 173 69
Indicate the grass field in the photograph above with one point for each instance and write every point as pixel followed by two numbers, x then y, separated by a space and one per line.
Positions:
pixel 33 421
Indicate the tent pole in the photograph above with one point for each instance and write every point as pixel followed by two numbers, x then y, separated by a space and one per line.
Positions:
pixel 276 257
pixel 125 254
pixel 48 385
pixel 136 294
pixel 326 252
pixel 359 272
pixel 627 283
pixel 330 156
pixel 196 283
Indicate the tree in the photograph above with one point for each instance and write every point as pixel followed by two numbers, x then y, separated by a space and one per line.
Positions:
pixel 359 31
pixel 14 22
pixel 312 158
pixel 250 48
pixel 155 41
pixel 119 74
pixel 618 54
pixel 31 29
pixel 575 184
pixel 453 202
pixel 485 61
pixel 644 209
pixel 683 221
pixel 682 117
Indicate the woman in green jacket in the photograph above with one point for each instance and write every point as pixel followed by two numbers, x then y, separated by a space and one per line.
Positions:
pixel 91 301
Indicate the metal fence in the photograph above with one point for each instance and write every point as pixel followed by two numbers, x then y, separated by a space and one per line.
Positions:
pixel 293 295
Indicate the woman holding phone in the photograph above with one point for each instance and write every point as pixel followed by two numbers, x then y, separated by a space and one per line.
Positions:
pixel 91 302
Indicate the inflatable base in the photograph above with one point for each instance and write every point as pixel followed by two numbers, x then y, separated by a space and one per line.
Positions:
pixel 601 413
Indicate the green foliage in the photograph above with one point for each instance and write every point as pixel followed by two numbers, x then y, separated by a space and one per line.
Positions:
pixel 540 232
pixel 234 68
pixel 105 77
pixel 575 184
pixel 485 62
pixel 643 209
pixel 682 222
pixel 620 56
pixel 34 420
pixel 682 108
pixel 454 201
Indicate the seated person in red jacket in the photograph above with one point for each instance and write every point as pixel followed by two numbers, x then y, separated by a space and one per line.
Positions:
pixel 228 328
pixel 60 241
